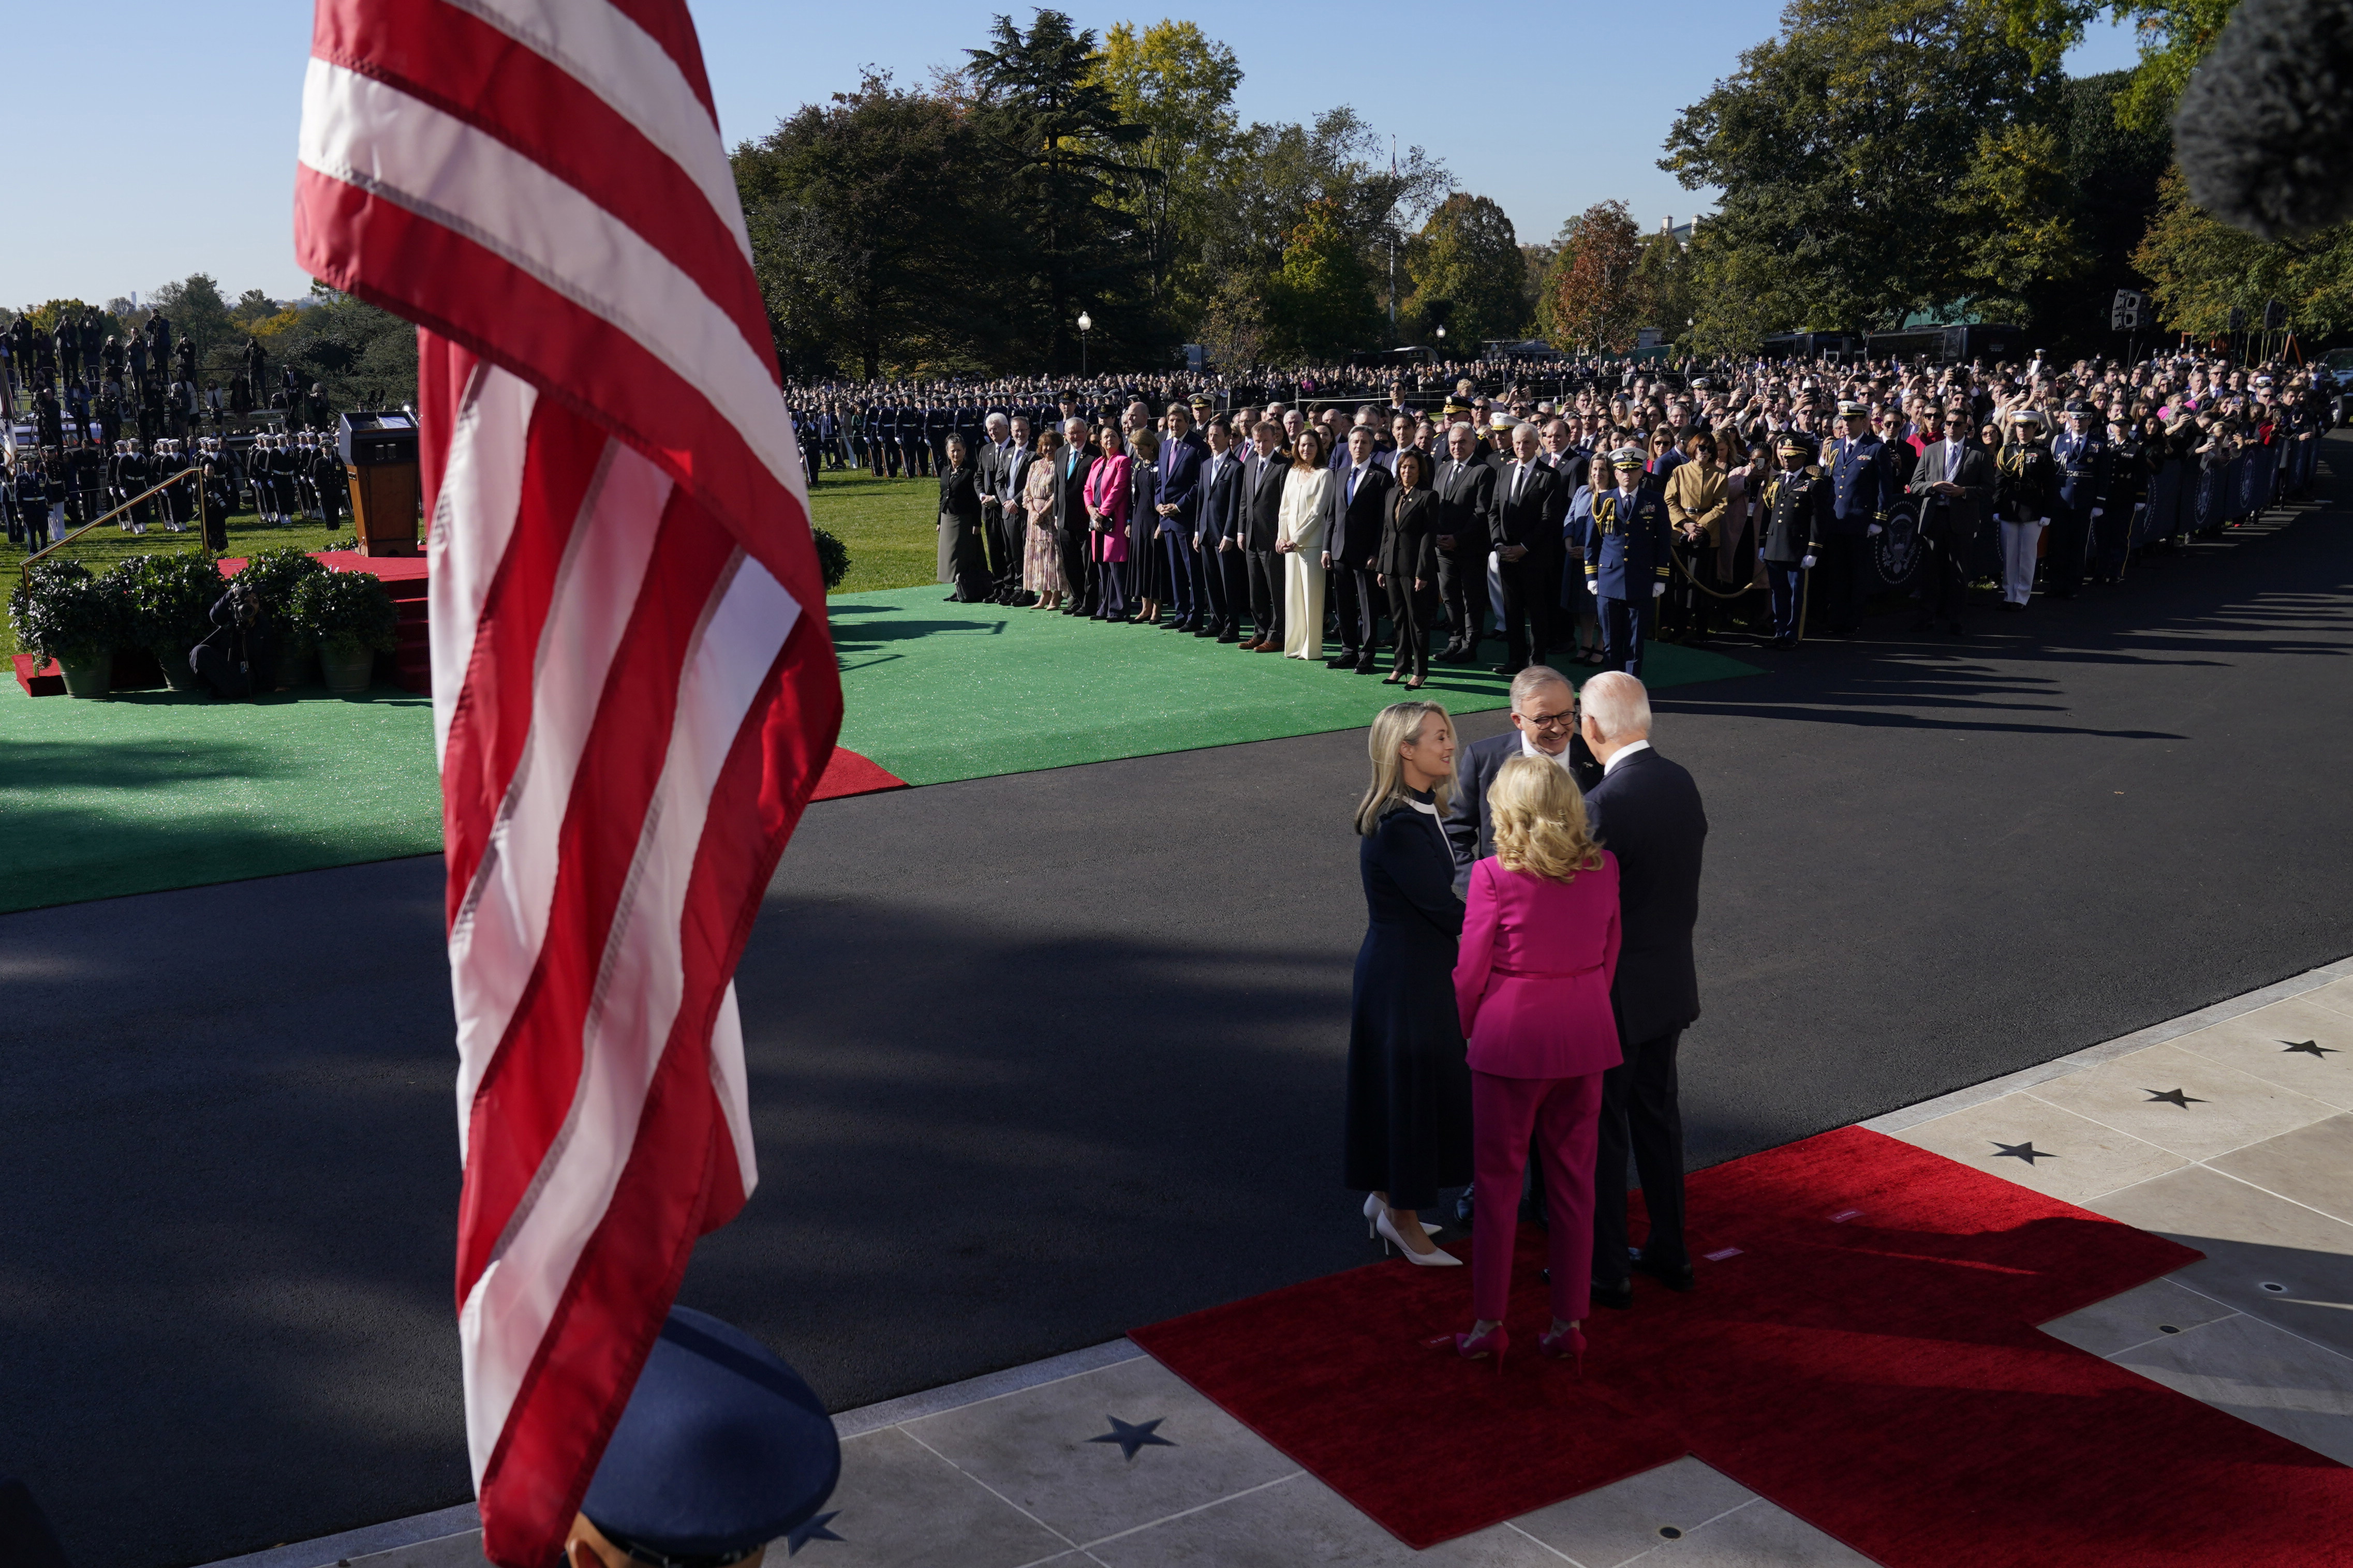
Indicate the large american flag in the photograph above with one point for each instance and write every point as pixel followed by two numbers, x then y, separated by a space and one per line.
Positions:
pixel 634 691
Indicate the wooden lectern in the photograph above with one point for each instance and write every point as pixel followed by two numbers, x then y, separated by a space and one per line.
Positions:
pixel 379 453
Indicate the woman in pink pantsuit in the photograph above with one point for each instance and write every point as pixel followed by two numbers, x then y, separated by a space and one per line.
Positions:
pixel 1532 982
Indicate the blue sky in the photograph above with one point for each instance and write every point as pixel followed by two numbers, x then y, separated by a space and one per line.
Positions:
pixel 170 148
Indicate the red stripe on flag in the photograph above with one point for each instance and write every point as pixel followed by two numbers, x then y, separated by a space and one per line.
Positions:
pixel 491 722
pixel 466 292
pixel 619 766
pixel 474 73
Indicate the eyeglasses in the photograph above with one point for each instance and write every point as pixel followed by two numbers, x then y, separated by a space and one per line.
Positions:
pixel 1550 721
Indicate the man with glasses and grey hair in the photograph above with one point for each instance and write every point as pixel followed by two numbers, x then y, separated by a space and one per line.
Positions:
pixel 1544 724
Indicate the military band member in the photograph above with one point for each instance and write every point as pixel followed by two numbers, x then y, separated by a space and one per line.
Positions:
pixel 2026 496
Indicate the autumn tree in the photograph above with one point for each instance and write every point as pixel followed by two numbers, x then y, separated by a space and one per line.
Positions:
pixel 1595 301
pixel 1468 255
pixel 1177 84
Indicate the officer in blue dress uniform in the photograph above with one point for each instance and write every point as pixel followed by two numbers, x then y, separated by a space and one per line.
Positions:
pixel 1853 462
pixel 2081 452
pixel 1626 565
pixel 721 1450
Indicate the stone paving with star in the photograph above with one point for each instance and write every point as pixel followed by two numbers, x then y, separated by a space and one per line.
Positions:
pixel 2230 1131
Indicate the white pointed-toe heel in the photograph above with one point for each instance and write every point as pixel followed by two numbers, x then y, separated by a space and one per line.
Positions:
pixel 1436 1257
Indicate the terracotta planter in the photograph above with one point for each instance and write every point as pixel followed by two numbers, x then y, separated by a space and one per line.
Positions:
pixel 348 672
pixel 91 676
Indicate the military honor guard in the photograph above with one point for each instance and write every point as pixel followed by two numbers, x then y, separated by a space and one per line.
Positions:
pixel 1855 461
pixel 1626 560
pixel 1797 507
pixel 2025 496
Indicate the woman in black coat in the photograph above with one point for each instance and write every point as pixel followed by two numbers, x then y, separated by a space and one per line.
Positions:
pixel 962 558
pixel 1147 588
pixel 1408 1118
pixel 1406 563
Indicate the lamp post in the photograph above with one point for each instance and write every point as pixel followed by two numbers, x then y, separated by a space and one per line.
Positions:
pixel 1086 325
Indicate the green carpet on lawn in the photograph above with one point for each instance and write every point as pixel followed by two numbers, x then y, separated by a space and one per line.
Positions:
pixel 939 691
pixel 150 790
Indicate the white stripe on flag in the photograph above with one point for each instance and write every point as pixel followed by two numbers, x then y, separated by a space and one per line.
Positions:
pixel 607 52
pixel 638 993
pixel 495 937
pixel 403 150
pixel 474 517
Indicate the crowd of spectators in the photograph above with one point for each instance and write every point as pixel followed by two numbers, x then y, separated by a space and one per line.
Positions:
pixel 1676 500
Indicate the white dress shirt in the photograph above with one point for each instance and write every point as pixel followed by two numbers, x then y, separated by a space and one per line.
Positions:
pixel 1622 754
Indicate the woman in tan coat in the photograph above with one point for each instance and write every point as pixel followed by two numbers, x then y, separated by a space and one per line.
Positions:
pixel 1697 501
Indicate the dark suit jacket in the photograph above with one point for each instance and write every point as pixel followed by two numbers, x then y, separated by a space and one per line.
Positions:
pixel 1408 548
pixel 1466 492
pixel 1262 499
pixel 1470 828
pixel 1355 529
pixel 1957 516
pixel 1647 812
pixel 1176 481
pixel 1070 491
pixel 1532 517
pixel 1222 500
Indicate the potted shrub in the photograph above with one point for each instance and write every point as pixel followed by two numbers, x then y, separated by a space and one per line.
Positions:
pixel 351 618
pixel 168 601
pixel 63 613
pixel 273 576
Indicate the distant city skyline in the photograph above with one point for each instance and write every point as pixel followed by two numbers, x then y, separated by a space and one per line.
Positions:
pixel 191 169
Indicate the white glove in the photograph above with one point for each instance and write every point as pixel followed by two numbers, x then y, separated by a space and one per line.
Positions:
pixel 1593 586
pixel 1873 531
pixel 1807 563
pixel 1657 589
pixel 2099 511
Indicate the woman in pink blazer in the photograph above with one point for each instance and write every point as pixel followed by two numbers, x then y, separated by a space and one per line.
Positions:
pixel 1106 498
pixel 1532 982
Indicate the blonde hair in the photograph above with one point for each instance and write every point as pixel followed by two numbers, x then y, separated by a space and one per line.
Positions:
pixel 1540 821
pixel 1395 726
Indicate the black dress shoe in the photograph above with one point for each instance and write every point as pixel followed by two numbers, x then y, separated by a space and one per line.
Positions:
pixel 1507 668
pixel 1367 667
pixel 1229 634
pixel 1346 661
pixel 1679 1277
pixel 1619 1297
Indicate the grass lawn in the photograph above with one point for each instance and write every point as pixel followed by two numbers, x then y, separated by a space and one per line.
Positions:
pixel 892 527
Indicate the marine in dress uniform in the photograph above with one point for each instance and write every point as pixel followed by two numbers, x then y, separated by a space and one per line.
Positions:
pixel 1627 558
pixel 1797 507
pixel 2081 452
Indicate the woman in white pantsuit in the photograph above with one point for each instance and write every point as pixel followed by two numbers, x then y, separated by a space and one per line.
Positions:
pixel 1299 537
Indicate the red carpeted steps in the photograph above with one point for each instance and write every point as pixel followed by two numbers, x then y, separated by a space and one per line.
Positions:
pixel 1862 1351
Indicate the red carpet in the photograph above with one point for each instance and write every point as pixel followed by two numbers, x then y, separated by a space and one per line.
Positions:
pixel 849 774
pixel 1866 1359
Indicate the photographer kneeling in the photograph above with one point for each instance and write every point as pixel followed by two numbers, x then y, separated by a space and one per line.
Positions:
pixel 240 657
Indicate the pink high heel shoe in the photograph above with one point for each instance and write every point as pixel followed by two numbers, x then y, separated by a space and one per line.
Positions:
pixel 1567 1345
pixel 1476 1347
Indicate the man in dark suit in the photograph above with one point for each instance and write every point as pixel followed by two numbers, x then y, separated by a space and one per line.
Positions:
pixel 1544 724
pixel 1466 492
pixel 1954 479
pixel 1176 499
pixel 1071 465
pixel 1224 579
pixel 1853 463
pixel 1525 526
pixel 1360 491
pixel 1645 811
pixel 1005 465
pixel 1264 473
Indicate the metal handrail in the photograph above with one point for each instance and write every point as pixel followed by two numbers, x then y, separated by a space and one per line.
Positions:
pixel 118 512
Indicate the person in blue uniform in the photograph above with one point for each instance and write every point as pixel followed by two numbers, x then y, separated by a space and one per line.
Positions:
pixel 721 1452
pixel 2081 453
pixel 1855 464
pixel 1797 507
pixel 1628 553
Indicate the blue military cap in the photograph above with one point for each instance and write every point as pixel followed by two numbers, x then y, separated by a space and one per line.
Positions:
pixel 722 1449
